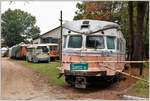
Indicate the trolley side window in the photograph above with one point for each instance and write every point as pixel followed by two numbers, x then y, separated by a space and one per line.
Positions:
pixel 96 42
pixel 65 40
pixel 75 41
pixel 120 45
pixel 110 42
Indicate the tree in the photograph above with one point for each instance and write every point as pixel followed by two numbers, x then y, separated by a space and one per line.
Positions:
pixel 138 51
pixel 80 12
pixel 100 10
pixel 18 26
pixel 131 30
pixel 146 32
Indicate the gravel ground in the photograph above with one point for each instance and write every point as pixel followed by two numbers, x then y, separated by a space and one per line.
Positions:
pixel 19 82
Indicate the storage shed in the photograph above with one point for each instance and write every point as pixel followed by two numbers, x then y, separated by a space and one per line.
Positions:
pixel 51 36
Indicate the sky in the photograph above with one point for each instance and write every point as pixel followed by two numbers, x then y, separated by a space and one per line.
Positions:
pixel 47 13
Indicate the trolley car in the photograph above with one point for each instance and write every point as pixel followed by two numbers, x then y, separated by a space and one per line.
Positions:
pixel 37 52
pixel 86 44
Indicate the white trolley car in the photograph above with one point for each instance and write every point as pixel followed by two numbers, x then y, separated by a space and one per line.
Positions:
pixel 86 44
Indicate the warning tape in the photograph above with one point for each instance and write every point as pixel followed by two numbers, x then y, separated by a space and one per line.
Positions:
pixel 127 74
pixel 108 62
pixel 126 61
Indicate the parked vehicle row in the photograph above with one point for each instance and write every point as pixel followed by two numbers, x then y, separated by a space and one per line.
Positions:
pixel 18 51
pixel 34 52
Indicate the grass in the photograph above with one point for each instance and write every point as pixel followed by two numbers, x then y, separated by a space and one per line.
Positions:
pixel 141 88
pixel 46 69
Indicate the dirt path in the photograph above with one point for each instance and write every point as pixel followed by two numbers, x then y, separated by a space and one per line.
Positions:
pixel 19 82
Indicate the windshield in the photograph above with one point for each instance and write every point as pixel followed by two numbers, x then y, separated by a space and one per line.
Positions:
pixel 53 48
pixel 43 49
pixel 30 49
pixel 110 42
pixel 96 42
pixel 75 41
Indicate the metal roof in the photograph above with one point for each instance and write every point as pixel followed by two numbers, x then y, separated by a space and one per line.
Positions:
pixel 46 33
pixel 93 26
pixel 46 44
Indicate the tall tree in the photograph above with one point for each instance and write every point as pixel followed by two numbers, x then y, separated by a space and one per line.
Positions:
pixel 138 37
pixel 18 26
pixel 131 30
pixel 146 32
pixel 138 51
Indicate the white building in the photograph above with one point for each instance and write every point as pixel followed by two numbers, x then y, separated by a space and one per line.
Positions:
pixel 51 36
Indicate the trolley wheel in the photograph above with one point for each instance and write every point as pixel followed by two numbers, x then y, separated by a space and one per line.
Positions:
pixel 70 80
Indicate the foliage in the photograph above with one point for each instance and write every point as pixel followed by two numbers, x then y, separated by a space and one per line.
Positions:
pixel 17 26
pixel 80 12
pixel 100 10
pixel 103 10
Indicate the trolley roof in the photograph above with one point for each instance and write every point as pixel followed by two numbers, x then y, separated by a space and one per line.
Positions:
pixel 36 45
pixel 91 26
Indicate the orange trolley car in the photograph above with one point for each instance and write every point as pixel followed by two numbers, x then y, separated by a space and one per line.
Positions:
pixel 86 44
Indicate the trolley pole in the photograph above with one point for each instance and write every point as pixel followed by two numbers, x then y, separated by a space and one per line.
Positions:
pixel 60 37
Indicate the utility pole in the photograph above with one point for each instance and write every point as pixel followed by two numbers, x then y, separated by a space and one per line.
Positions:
pixel 60 37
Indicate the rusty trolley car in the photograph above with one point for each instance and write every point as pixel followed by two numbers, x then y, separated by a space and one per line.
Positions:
pixel 86 44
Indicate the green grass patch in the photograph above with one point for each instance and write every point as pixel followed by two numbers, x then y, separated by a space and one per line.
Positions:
pixel 141 88
pixel 146 65
pixel 46 69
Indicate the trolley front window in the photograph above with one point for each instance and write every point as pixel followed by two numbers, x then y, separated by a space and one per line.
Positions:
pixel 44 49
pixel 96 42
pixel 30 50
pixel 110 42
pixel 75 41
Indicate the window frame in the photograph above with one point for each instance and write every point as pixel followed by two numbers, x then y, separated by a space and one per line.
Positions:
pixel 95 36
pixel 118 44
pixel 121 45
pixel 69 41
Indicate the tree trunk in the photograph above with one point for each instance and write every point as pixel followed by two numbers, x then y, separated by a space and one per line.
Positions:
pixel 131 30
pixel 138 37
pixel 146 33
